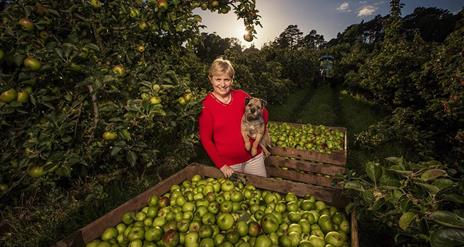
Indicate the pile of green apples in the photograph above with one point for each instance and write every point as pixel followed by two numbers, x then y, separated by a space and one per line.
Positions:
pixel 219 212
pixel 317 138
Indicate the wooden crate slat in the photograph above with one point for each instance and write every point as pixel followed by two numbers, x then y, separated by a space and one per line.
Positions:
pixel 308 166
pixel 300 177
pixel 336 158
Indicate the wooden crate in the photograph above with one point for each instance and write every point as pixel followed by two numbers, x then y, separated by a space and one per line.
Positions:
pixel 335 158
pixel 316 171
pixel 96 228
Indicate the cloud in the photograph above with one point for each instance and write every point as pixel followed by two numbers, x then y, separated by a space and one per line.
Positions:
pixel 367 10
pixel 344 7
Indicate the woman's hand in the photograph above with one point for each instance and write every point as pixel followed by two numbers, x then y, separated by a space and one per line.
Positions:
pixel 227 171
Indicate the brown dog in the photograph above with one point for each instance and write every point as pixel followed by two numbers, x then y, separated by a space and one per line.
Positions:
pixel 253 126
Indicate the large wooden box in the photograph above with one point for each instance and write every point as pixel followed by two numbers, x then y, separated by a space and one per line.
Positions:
pixel 96 228
pixel 335 158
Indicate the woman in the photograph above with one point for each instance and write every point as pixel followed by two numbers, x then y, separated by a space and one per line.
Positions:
pixel 219 124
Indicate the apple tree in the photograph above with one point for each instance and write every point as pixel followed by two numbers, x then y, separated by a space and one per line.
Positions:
pixel 90 86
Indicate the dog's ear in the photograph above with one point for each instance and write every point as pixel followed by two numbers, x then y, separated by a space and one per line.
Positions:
pixel 263 103
pixel 247 100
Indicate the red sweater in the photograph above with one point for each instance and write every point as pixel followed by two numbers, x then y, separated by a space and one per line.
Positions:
pixel 219 126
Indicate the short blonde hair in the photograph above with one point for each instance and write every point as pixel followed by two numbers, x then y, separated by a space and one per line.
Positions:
pixel 221 65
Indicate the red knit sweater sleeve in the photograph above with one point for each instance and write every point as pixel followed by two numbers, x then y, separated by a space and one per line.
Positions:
pixel 205 126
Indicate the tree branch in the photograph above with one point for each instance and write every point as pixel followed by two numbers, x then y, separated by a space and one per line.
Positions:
pixel 95 110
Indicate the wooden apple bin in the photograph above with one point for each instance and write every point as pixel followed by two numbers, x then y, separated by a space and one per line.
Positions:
pixel 96 228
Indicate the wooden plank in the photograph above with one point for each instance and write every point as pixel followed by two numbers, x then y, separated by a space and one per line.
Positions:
pixel 336 158
pixel 300 177
pixel 303 165
pixel 354 230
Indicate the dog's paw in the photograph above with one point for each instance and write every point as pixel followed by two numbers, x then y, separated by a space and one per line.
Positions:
pixel 247 146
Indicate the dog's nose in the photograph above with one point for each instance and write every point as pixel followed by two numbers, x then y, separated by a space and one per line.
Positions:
pixel 253 110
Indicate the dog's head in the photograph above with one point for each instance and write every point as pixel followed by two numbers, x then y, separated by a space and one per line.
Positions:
pixel 253 108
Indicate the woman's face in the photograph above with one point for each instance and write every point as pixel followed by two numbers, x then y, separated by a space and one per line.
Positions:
pixel 222 83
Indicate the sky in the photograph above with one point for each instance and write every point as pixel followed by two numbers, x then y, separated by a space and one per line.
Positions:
pixel 327 17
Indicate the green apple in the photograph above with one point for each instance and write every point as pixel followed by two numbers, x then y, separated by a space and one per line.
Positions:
pixel 242 228
pixel 191 239
pixel 109 233
pixel 335 238
pixel 345 226
pixel 205 231
pixel 128 217
pixel 316 241
pixel 219 239
pixel 121 227
pixel 226 207
pixel 194 226
pixel 153 201
pixel 325 223
pixel 159 221
pixel 295 228
pixel 183 225
pixel 137 233
pixel 208 219
pixel 236 196
pixel 285 241
pixel 207 242
pixel 188 207
pixel 153 234
pixel 225 221
pixel 269 223
pixel 254 229
pixel 263 241
pixel 227 186
pixel 213 207
pixel 171 238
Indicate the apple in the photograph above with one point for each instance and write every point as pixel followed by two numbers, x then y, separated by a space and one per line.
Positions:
pixel 226 207
pixel 191 239
pixel 153 234
pixel 162 4
pixel 236 196
pixel 254 229
pixel 109 233
pixel 232 236
pixel 205 231
pixel 194 226
pixel 119 70
pixel 136 233
pixel 219 239
pixel 171 238
pixel 242 228
pixel 269 223
pixel 208 219
pixel 26 24
pixel 128 217
pixel 263 241
pixel 335 238
pixel 227 186
pixel 32 64
pixel 153 200
pixel 225 221
pixel 316 241
pixel 183 225
pixel 207 242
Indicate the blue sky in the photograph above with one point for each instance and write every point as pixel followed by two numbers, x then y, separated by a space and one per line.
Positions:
pixel 327 17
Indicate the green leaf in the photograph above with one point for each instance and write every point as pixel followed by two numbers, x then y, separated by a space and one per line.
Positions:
pixel 406 219
pixel 354 185
pixel 448 237
pixel 443 183
pixel 396 160
pixel 373 171
pixel 448 218
pixel 432 174
pixel 115 151
pixel 431 188
pixel 454 198
pixel 132 158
